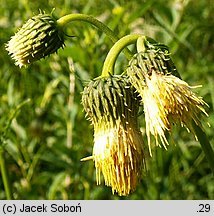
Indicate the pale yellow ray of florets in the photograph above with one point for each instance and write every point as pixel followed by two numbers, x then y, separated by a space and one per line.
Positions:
pixel 118 155
pixel 168 99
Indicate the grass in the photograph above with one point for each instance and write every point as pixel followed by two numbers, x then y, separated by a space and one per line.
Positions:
pixel 49 135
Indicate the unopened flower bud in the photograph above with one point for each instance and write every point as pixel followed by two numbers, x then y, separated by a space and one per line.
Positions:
pixel 40 36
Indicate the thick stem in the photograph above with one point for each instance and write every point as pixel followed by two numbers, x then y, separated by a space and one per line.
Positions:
pixel 90 19
pixel 205 144
pixel 4 175
pixel 108 66
pixel 141 44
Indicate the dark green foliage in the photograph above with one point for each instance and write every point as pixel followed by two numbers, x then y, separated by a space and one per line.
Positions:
pixel 49 135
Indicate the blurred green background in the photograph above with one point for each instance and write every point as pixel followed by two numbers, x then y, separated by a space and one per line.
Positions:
pixel 45 138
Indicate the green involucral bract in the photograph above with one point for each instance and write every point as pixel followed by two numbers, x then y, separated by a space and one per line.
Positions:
pixel 40 36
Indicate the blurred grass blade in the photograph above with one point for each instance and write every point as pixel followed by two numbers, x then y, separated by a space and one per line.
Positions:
pixel 205 144
pixel 4 169
pixel 57 185
pixel 4 174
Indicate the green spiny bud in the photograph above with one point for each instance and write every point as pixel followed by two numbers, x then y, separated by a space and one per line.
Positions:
pixel 154 58
pixel 40 36
pixel 151 60
pixel 110 98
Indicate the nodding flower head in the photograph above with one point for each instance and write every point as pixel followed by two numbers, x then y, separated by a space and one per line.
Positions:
pixel 40 36
pixel 166 98
pixel 112 105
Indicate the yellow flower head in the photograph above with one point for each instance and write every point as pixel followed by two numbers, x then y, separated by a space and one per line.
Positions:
pixel 40 36
pixel 167 99
pixel 112 107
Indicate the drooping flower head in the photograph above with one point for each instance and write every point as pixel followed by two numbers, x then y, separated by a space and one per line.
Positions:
pixel 166 98
pixel 40 36
pixel 112 106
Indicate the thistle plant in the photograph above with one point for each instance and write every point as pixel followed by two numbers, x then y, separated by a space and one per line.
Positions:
pixel 111 102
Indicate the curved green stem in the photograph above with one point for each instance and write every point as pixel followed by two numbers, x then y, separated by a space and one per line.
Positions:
pixel 4 175
pixel 108 66
pixel 141 44
pixel 90 19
